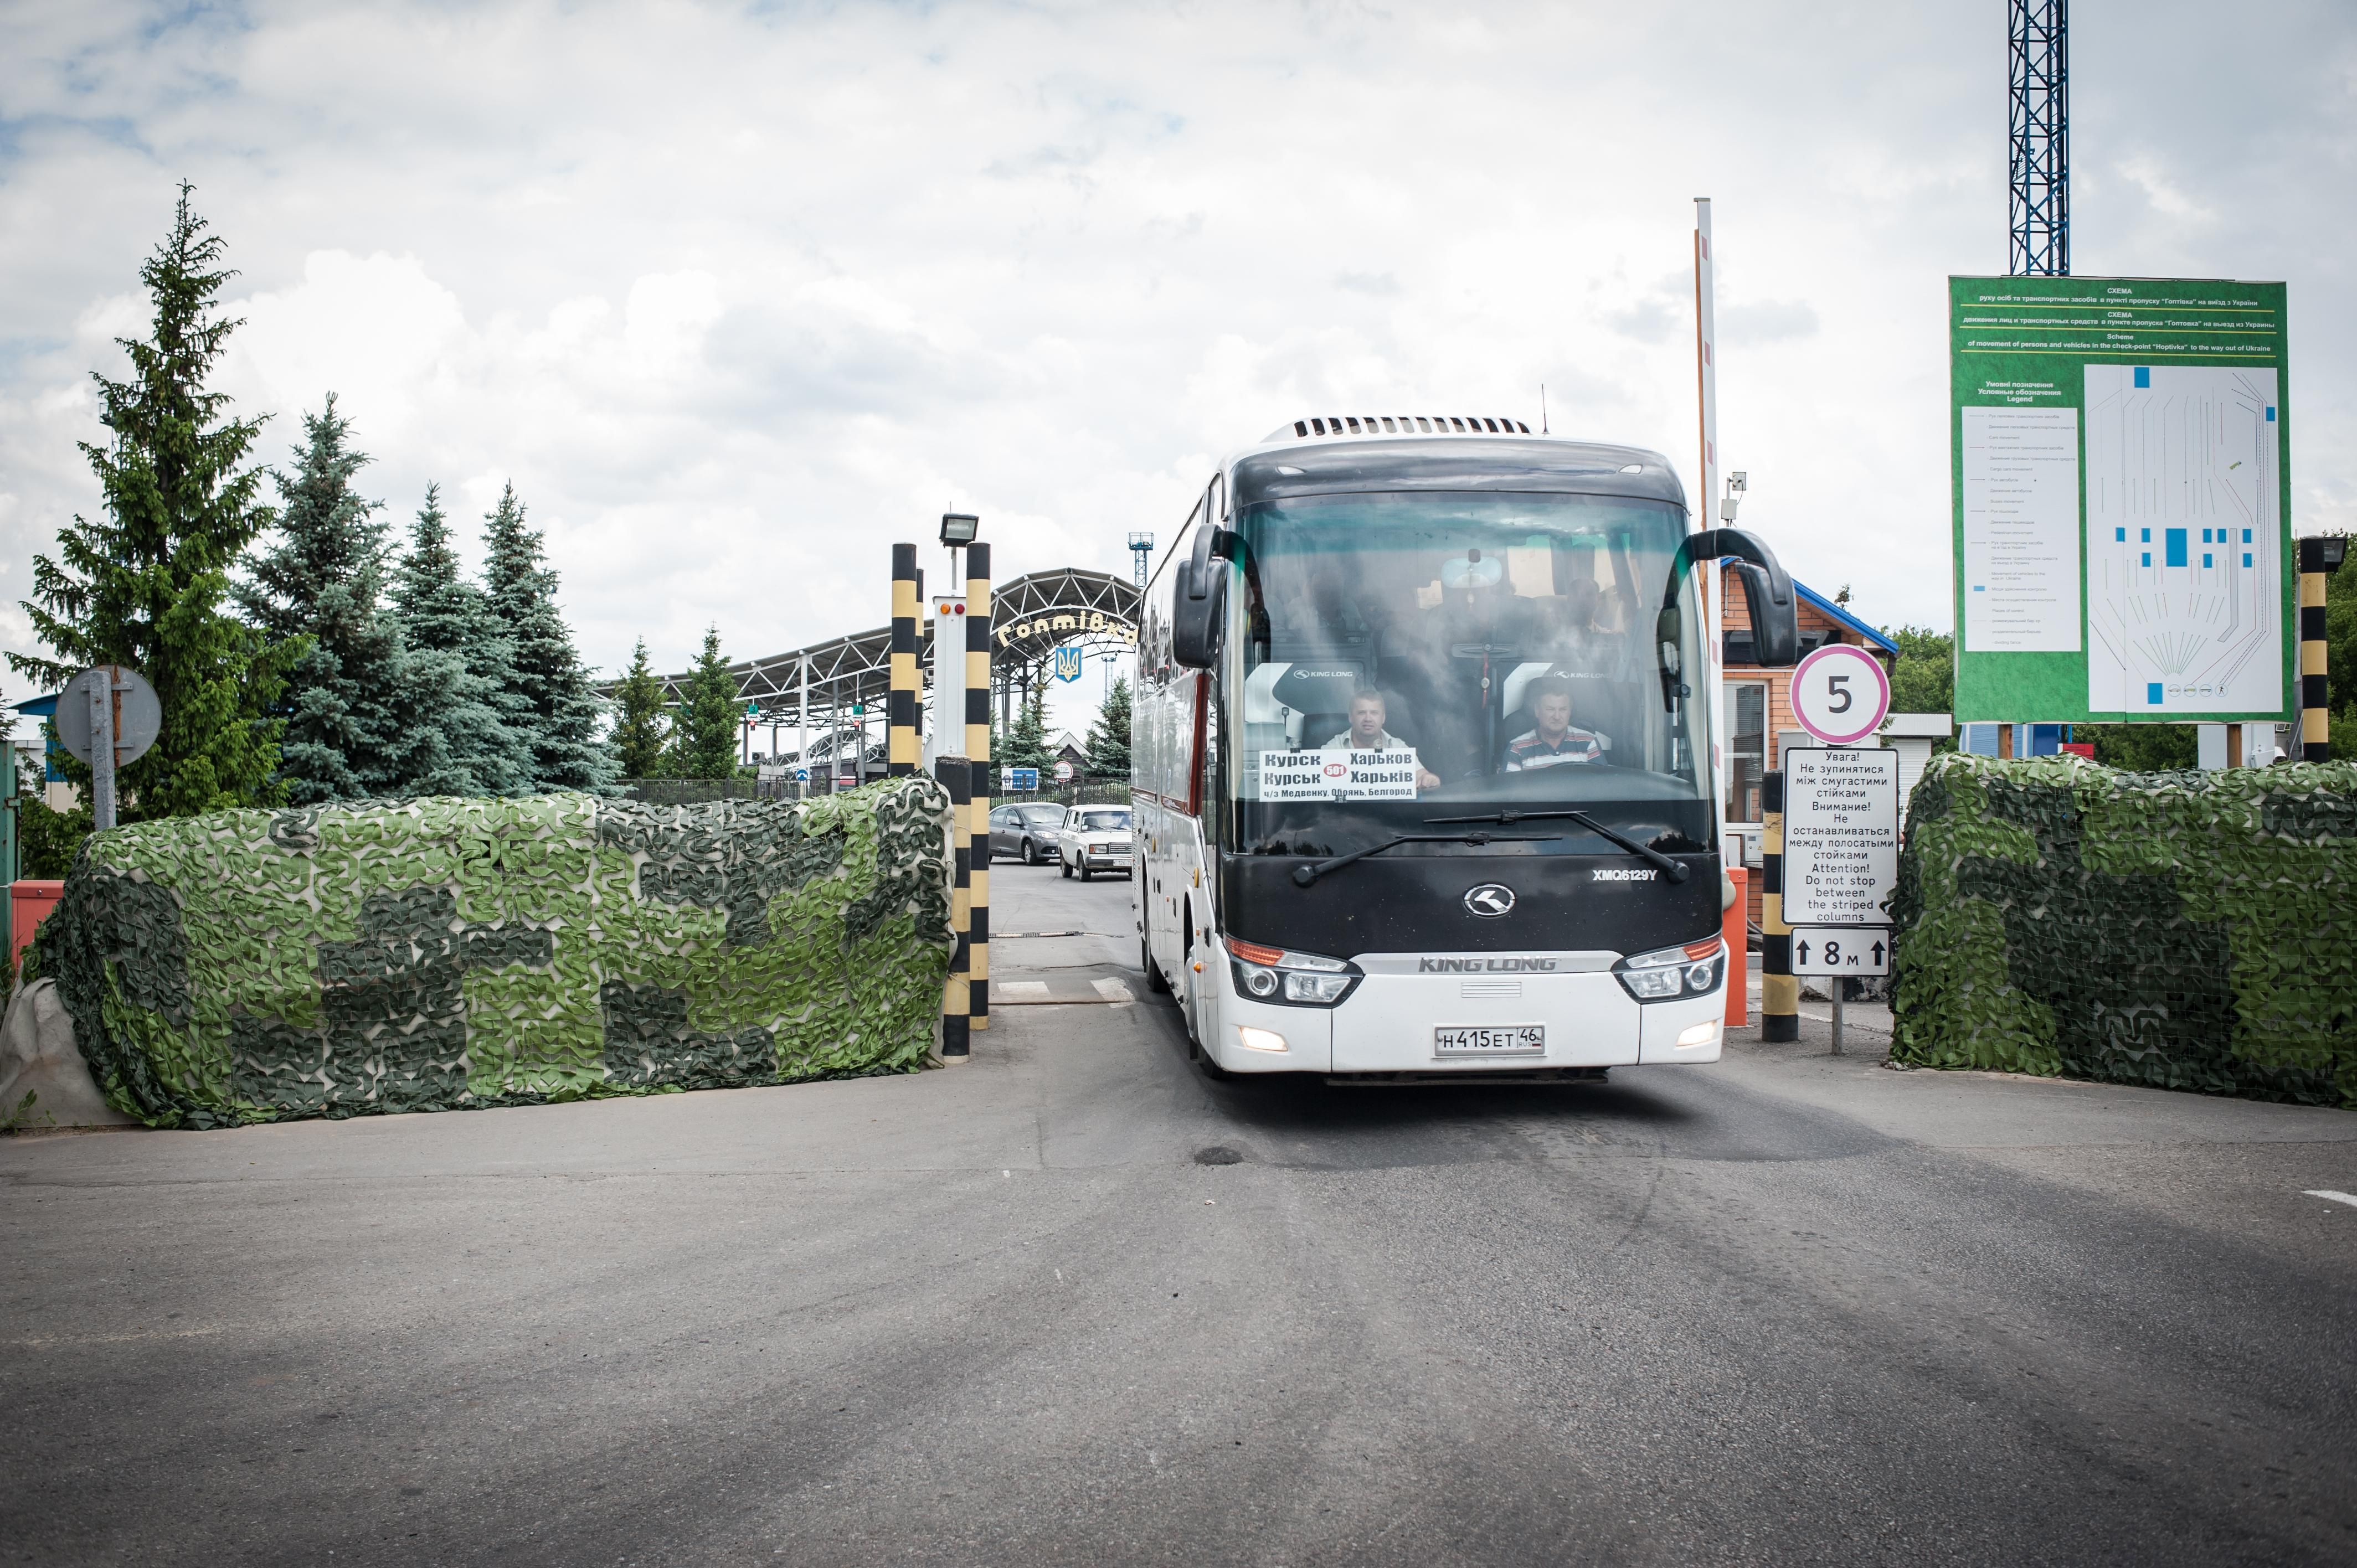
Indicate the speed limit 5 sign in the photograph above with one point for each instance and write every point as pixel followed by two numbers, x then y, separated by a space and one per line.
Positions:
pixel 1840 694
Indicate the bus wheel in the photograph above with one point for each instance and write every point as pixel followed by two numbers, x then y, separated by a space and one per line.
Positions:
pixel 1155 984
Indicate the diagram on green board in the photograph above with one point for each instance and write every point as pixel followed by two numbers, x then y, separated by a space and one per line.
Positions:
pixel 2184 567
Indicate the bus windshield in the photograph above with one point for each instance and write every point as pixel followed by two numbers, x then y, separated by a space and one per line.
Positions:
pixel 1391 657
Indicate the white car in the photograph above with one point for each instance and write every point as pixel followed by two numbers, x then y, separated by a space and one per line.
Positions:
pixel 1095 838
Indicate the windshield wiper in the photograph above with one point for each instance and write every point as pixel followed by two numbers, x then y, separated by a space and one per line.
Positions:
pixel 1676 870
pixel 1303 875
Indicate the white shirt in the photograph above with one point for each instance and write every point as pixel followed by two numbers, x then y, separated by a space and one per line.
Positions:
pixel 1383 742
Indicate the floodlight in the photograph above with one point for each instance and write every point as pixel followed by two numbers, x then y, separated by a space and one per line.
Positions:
pixel 2334 549
pixel 959 528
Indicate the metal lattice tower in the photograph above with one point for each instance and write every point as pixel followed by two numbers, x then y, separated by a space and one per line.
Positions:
pixel 1141 552
pixel 2041 199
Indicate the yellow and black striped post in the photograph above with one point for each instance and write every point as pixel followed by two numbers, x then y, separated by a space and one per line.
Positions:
pixel 957 997
pixel 977 751
pixel 1780 993
pixel 2315 712
pixel 900 716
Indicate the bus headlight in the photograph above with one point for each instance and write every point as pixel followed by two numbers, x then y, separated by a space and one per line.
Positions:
pixel 1289 979
pixel 1317 990
pixel 1667 973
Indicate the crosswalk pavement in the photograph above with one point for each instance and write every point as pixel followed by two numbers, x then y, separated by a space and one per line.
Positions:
pixel 1105 990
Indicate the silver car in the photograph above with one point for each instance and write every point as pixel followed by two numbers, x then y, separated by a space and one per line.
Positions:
pixel 1028 831
pixel 1095 838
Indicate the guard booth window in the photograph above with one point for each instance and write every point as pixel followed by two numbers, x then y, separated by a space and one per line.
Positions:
pixel 1746 748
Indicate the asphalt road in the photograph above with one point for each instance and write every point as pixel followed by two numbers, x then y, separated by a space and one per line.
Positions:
pixel 1787 1309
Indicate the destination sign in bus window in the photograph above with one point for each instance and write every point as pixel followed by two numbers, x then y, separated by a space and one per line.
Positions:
pixel 1338 775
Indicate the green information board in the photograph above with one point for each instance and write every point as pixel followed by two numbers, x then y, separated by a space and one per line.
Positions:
pixel 2123 502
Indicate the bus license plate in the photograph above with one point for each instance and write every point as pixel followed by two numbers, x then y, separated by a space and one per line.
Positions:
pixel 1505 1041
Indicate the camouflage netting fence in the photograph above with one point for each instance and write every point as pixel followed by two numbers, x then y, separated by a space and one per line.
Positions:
pixel 434 954
pixel 2182 931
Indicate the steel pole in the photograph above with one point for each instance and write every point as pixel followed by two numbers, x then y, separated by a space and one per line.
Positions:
pixel 1780 992
pixel 900 716
pixel 957 993
pixel 102 749
pixel 976 824
pixel 2315 715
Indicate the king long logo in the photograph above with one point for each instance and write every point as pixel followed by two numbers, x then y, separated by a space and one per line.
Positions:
pixel 1485 965
pixel 1490 899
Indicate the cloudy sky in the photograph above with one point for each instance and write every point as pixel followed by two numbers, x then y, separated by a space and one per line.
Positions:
pixel 738 295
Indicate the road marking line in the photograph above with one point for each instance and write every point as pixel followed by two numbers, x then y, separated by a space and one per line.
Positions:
pixel 2349 1199
pixel 1007 988
pixel 1053 1002
pixel 77 1339
pixel 1113 991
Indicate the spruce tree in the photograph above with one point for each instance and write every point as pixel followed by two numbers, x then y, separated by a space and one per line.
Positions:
pixel 564 710
pixel 639 723
pixel 1026 739
pixel 1108 742
pixel 704 737
pixel 146 583
pixel 463 659
pixel 355 725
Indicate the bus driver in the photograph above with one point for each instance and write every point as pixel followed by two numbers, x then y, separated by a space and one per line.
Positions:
pixel 1367 734
pixel 1556 740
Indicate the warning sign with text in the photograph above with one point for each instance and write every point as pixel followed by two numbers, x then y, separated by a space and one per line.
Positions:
pixel 1841 834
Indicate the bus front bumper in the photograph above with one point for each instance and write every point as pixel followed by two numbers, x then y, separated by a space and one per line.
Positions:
pixel 1399 1019
pixel 1423 1022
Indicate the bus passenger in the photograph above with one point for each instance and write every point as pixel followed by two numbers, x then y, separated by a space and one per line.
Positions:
pixel 1367 734
pixel 1556 740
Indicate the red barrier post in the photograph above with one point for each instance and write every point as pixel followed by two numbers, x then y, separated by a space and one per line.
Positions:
pixel 29 903
pixel 1735 926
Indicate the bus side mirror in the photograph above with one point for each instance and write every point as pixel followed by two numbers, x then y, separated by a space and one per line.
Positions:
pixel 1201 601
pixel 1200 612
pixel 1767 591
pixel 1775 628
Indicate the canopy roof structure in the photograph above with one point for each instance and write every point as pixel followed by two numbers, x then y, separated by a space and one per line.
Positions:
pixel 1031 618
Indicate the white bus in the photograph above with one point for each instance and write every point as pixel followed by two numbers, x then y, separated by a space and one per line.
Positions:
pixel 1424 778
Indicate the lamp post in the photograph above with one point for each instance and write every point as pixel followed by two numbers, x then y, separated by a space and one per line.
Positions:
pixel 958 529
pixel 962 696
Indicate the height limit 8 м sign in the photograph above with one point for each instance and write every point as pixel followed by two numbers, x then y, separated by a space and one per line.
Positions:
pixel 1841 834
